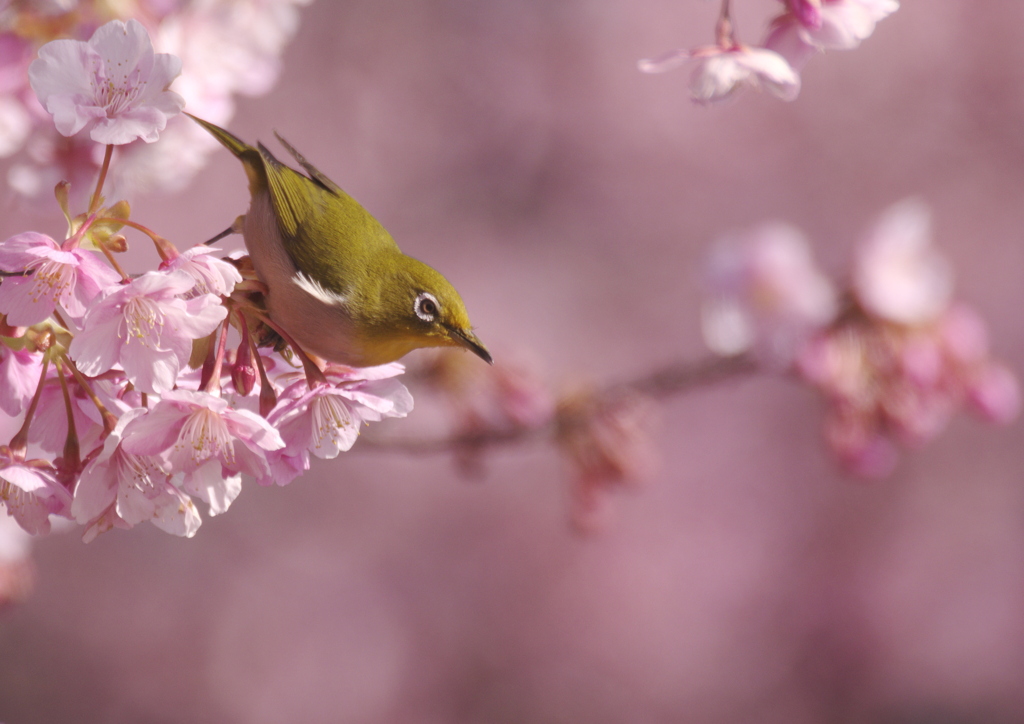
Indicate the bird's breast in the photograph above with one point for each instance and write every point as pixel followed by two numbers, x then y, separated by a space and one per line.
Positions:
pixel 320 325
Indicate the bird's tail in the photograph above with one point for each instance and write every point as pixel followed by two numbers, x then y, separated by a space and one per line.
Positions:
pixel 248 155
pixel 230 142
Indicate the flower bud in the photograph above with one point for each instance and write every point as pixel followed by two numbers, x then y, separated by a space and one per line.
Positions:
pixel 243 371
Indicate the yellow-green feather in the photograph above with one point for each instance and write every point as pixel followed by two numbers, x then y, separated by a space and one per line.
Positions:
pixel 331 238
pixel 317 220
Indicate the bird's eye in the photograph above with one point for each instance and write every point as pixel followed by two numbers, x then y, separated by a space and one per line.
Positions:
pixel 426 306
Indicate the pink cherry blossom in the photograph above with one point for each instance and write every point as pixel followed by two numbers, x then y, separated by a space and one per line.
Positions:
pixel 719 72
pixel 19 377
pixel 223 53
pixel 809 26
pixel 225 49
pixel 206 441
pixel 212 275
pixel 807 12
pixel 146 328
pixel 31 493
pixel 121 489
pixel 70 278
pixel 765 294
pixel 49 428
pixel 325 420
pixel 609 446
pixel 899 276
pixel 902 358
pixel 845 23
pixel 112 86
pixel 787 36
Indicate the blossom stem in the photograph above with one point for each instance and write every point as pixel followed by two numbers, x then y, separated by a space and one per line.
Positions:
pixel 19 443
pixel 75 239
pixel 7 330
pixel 723 29
pixel 94 204
pixel 213 383
pixel 113 262
pixel 72 457
pixel 109 421
pixel 164 248
pixel 314 375
pixel 60 319
pixel 268 396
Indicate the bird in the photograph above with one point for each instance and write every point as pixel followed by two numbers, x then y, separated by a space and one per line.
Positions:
pixel 336 281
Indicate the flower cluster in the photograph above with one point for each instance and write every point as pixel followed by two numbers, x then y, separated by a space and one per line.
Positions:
pixel 765 294
pixel 802 29
pixel 608 441
pixel 605 436
pixel 500 399
pixel 120 421
pixel 894 356
pixel 225 46
pixel 125 398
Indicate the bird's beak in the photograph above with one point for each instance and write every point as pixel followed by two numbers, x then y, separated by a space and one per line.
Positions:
pixel 465 338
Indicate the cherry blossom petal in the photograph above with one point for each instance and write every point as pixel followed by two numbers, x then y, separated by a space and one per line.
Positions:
pixel 667 61
pixel 71 278
pixel 899 275
pixel 17 252
pixel 144 123
pixel 209 484
pixel 155 432
pixel 254 430
pixel 846 23
pixel 22 305
pixel 212 275
pixel 196 317
pixel 19 376
pixel 94 353
pixel 789 38
pixel 151 370
pixel 766 294
pixel 379 399
pixel 717 76
pixel 32 495
pixel 113 85
pixel 285 466
pixel 147 329
pixel 176 514
pixel 95 493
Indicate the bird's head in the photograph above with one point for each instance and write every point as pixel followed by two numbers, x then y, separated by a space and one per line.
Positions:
pixel 420 308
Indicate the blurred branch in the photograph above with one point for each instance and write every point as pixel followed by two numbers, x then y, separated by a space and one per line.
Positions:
pixel 668 381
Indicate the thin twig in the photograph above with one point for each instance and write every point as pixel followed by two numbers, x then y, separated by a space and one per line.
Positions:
pixel 673 379
pixel 94 203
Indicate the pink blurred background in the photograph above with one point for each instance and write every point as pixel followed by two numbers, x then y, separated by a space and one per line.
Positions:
pixel 570 199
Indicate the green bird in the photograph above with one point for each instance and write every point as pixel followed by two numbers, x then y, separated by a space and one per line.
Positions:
pixel 336 281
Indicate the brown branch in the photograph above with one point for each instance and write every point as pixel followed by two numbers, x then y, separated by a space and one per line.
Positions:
pixel 673 379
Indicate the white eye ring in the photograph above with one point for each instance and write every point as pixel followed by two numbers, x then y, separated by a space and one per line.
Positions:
pixel 426 306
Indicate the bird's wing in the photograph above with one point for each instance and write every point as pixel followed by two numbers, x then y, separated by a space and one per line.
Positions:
pixel 289 192
pixel 314 173
pixel 319 221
